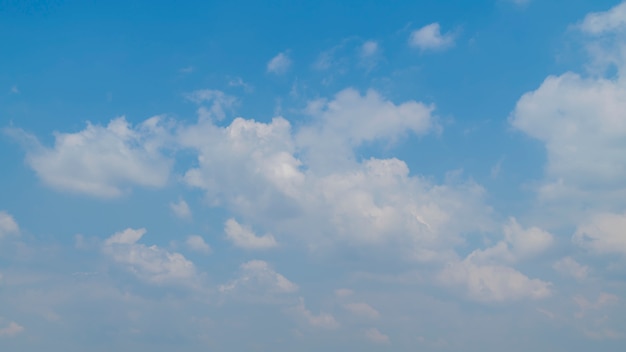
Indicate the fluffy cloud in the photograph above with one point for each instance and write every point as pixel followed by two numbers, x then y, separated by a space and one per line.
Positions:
pixel 181 209
pixel 11 330
pixel 100 160
pixel 197 243
pixel 603 234
pixel 518 244
pixel 151 264
pixel 607 21
pixel 363 310
pixel 322 320
pixel 352 119
pixel 279 64
pixel 376 336
pixel 219 101
pixel 485 272
pixel 429 37
pixel 257 276
pixel 594 316
pixel 369 48
pixel 570 267
pixel 8 225
pixel 308 184
pixel 494 283
pixel 243 237
pixel 579 119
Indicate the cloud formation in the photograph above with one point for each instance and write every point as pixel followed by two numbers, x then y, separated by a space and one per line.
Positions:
pixel 430 38
pixel 279 64
pixel 102 161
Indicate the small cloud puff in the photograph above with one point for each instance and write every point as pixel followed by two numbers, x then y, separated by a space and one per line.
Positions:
pixel 279 64
pixel 244 237
pixel 430 37
pixel 181 209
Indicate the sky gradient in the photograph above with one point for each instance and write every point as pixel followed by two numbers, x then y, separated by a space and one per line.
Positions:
pixel 313 175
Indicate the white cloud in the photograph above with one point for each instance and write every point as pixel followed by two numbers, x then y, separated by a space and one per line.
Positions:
pixel 219 101
pixel 11 330
pixel 369 48
pixel 101 161
pixel 518 244
pixel 603 234
pixel 343 292
pixel 363 310
pixel 197 243
pixel 351 119
pixel 485 274
pixel 607 21
pixel 429 37
pixel 376 336
pixel 279 64
pixel 181 209
pixel 308 183
pixel 493 283
pixel 258 276
pixel 15 90
pixel 322 320
pixel 369 54
pixel 570 267
pixel 239 82
pixel 579 121
pixel 242 236
pixel 593 316
pixel 8 225
pixel 152 264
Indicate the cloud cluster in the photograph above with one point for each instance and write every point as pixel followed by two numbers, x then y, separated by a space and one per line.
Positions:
pixel 430 37
pixel 102 161
pixel 8 225
pixel 149 263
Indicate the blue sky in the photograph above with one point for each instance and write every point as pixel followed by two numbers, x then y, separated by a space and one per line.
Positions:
pixel 291 175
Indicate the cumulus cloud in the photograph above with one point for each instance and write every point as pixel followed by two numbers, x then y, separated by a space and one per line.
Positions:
pixel 579 120
pixel 219 103
pixel 494 283
pixel 363 310
pixel 149 263
pixel 321 320
pixel 197 243
pixel 594 316
pixel 606 21
pixel 518 243
pixel 352 119
pixel 242 236
pixel 279 64
pixel 181 209
pixel 11 330
pixel 369 54
pixel 308 183
pixel 369 48
pixel 100 160
pixel 603 234
pixel 8 225
pixel 570 267
pixel 257 276
pixel 374 335
pixel 430 37
pixel 485 273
